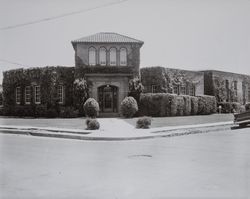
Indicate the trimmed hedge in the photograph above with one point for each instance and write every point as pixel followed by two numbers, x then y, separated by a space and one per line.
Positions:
pixel 92 124
pixel 247 106
pixel 206 104
pixel 91 108
pixel 165 104
pixel 129 107
pixel 143 123
pixel 231 107
pixel 39 111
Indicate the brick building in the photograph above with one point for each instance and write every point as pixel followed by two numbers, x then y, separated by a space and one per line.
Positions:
pixel 226 86
pixel 107 62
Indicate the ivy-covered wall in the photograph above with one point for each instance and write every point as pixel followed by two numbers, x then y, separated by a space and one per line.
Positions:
pixel 227 87
pixel 133 56
pixel 48 78
pixel 164 80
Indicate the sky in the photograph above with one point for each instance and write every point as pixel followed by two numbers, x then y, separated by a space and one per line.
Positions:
pixel 184 34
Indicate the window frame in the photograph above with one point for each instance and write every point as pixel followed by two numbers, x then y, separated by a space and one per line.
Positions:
pixel 101 50
pixel 154 88
pixel 25 94
pixel 18 95
pixel 183 88
pixel 36 94
pixel 123 63
pixel 115 55
pixel 175 86
pixel 92 49
pixel 192 90
pixel 60 94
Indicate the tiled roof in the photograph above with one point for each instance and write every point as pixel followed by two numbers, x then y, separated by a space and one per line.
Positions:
pixel 107 37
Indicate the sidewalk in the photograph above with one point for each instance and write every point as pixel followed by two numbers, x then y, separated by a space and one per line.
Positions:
pixel 110 129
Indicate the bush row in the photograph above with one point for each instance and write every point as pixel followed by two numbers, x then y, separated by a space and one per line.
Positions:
pixel 39 111
pixel 231 107
pixel 165 104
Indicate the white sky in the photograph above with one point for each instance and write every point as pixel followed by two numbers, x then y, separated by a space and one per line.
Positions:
pixel 186 34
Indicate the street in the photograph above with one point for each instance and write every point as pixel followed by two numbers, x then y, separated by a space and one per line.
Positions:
pixel 208 165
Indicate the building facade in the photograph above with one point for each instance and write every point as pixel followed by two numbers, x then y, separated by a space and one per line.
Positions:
pixel 227 87
pixel 168 80
pixel 106 62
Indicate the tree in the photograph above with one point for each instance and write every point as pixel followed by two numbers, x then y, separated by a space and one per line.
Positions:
pixel 81 92
pixel 135 88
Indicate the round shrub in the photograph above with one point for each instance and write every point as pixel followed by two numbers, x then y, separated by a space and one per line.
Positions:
pixel 129 107
pixel 247 106
pixel 91 108
pixel 92 124
pixel 143 123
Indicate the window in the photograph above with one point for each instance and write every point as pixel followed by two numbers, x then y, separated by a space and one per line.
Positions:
pixel 227 91
pixel 183 90
pixel 18 95
pixel 235 85
pixel 175 89
pixel 248 90
pixel 235 88
pixel 154 88
pixel 112 56
pixel 102 56
pixel 92 56
pixel 123 57
pixel 27 95
pixel 37 95
pixel 60 94
pixel 192 91
pixel 1 99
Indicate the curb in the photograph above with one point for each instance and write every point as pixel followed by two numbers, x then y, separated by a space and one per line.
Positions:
pixel 82 135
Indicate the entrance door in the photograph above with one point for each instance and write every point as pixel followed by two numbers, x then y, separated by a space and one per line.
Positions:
pixel 107 97
pixel 107 100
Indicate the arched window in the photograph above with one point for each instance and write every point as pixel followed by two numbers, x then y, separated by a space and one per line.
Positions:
pixel 102 56
pixel 123 57
pixel 112 56
pixel 92 56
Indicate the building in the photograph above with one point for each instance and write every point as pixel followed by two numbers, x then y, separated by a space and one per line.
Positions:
pixel 226 86
pixel 168 80
pixel 106 62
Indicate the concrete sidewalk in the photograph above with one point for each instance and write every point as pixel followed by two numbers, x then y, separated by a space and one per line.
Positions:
pixel 114 129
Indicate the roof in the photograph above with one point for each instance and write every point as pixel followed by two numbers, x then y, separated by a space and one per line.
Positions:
pixel 107 37
pixel 226 72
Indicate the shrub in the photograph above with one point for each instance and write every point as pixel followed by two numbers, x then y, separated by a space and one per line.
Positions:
pixel 194 105
pixel 68 112
pixel 143 123
pixel 135 88
pixel 247 106
pixel 231 107
pixel 158 104
pixel 92 124
pixel 206 104
pixel 129 107
pixel 50 113
pixel 187 105
pixel 180 105
pixel 91 108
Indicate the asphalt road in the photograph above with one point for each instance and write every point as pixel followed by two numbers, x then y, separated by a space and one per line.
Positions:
pixel 211 165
